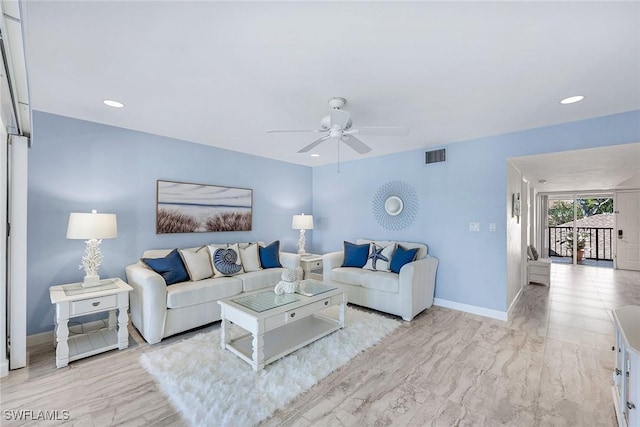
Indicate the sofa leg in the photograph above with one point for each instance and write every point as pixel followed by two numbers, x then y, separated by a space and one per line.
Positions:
pixel 407 319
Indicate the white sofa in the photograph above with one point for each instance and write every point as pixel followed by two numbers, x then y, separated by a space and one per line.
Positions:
pixel 403 294
pixel 159 311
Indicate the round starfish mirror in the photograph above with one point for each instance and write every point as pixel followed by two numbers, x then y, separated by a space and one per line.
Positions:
pixel 393 205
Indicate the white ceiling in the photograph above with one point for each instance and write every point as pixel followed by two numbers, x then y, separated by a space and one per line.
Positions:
pixel 606 168
pixel 221 73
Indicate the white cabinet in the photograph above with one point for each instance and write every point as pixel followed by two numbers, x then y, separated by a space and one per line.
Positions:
pixel 626 376
pixel 539 271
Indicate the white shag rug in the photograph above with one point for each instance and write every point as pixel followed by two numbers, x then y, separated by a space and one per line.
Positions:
pixel 210 386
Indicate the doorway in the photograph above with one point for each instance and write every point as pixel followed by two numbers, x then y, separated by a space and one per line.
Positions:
pixel 581 229
pixel 628 230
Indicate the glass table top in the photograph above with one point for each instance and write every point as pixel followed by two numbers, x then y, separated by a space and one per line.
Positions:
pixel 77 289
pixel 264 301
pixel 312 287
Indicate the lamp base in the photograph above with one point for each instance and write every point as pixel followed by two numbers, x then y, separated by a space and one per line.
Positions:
pixel 301 241
pixel 90 281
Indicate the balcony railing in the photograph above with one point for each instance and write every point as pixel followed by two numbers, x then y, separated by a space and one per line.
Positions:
pixel 598 242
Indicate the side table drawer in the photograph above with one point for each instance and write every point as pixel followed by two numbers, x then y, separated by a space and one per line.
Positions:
pixel 91 305
pixel 304 311
pixel 539 269
pixel 540 278
pixel 313 265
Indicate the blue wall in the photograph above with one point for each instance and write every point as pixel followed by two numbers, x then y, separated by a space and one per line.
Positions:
pixel 469 187
pixel 76 166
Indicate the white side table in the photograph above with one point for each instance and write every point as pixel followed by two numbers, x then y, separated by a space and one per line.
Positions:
pixel 72 300
pixel 539 271
pixel 311 264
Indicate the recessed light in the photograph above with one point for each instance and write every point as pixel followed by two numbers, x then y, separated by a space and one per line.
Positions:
pixel 572 99
pixel 315 155
pixel 112 103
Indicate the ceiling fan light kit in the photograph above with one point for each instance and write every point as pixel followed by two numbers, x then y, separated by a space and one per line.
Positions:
pixel 338 126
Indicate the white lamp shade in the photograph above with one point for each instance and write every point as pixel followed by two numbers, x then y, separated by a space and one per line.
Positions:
pixel 302 222
pixel 92 226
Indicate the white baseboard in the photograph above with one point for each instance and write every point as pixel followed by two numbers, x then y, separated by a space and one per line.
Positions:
pixel 42 338
pixel 473 309
pixel 515 300
pixel 4 368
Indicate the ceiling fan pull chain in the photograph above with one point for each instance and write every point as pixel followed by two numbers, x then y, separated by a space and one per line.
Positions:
pixel 338 155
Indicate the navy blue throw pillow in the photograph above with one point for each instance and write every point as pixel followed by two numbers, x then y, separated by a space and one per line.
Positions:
pixel 270 255
pixel 401 257
pixel 355 255
pixel 171 267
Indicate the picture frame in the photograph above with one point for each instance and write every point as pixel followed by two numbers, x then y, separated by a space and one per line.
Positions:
pixel 515 206
pixel 183 207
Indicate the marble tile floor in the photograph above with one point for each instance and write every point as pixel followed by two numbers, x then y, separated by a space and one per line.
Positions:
pixel 549 365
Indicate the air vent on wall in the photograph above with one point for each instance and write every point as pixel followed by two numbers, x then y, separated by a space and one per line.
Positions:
pixel 436 156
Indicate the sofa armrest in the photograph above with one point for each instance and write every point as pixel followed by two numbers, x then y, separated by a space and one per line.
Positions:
pixel 148 301
pixel 417 286
pixel 289 260
pixel 330 261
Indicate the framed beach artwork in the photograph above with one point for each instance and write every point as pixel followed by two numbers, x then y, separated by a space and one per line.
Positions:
pixel 183 207
pixel 515 206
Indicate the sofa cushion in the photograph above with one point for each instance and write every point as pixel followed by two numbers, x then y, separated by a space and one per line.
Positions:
pixel 401 257
pixel 186 294
pixel 197 263
pixel 270 255
pixel 355 255
pixel 379 258
pixel 170 267
pixel 349 275
pixel 250 258
pixel 226 261
pixel 381 281
pixel 267 278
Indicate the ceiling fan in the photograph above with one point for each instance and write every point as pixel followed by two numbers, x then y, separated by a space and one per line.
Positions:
pixel 337 125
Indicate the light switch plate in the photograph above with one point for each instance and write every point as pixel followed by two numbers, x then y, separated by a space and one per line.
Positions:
pixel 474 226
pixel 492 226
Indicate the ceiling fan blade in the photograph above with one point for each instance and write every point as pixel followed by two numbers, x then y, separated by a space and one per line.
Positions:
pixel 382 130
pixel 356 144
pixel 340 118
pixel 296 130
pixel 313 144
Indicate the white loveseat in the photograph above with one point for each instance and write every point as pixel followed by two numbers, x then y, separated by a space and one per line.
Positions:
pixel 403 294
pixel 159 311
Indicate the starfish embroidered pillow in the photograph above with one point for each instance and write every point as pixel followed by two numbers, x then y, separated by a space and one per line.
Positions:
pixel 379 257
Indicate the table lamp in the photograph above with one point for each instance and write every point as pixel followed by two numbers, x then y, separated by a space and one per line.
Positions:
pixel 302 222
pixel 92 227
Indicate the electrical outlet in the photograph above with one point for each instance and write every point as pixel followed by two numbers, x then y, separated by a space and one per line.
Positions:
pixel 492 226
pixel 474 226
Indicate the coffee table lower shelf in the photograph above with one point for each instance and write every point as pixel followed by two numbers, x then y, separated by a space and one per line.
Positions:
pixel 286 339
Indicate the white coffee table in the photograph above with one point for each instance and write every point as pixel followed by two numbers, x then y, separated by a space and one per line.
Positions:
pixel 277 325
